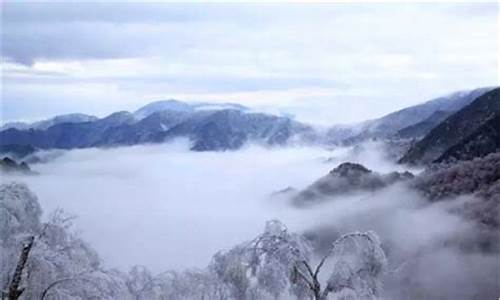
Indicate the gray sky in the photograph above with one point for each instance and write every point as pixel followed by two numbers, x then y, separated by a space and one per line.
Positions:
pixel 324 63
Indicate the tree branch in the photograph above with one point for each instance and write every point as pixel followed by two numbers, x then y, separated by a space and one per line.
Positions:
pixel 14 292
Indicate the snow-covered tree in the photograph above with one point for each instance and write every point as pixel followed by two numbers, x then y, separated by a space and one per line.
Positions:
pixel 47 261
pixel 279 263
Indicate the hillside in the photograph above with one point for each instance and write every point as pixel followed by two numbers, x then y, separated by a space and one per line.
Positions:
pixel 456 129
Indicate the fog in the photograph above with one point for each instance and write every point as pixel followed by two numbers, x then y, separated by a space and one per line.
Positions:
pixel 434 252
pixel 165 207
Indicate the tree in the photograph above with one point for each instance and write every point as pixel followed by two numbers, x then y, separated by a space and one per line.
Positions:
pixel 358 263
pixel 277 262
pixel 14 290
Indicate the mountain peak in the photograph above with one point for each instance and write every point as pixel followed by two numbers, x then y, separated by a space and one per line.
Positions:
pixel 170 104
pixel 179 106
pixel 349 169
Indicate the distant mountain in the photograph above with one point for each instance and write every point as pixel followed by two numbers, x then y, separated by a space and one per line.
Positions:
pixel 178 106
pixel 44 124
pixel 410 122
pixel 16 151
pixel 230 129
pixel 170 105
pixel 463 134
pixel 420 129
pixel 209 127
pixel 226 126
pixel 390 124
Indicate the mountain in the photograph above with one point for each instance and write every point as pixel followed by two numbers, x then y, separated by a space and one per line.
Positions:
pixel 171 105
pixel 479 177
pixel 8 165
pixel 420 129
pixel 66 135
pixel 44 124
pixel 225 126
pixel 465 129
pixel 178 106
pixel 17 151
pixel 347 178
pixel 485 140
pixel 209 127
pixel 230 129
pixel 398 120
pixel 410 122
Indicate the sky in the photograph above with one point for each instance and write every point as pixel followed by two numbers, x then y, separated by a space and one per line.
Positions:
pixel 324 63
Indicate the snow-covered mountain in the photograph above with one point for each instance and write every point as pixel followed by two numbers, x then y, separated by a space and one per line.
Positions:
pixel 212 126
pixel 208 126
pixel 411 122
pixel 178 106
pixel 472 131
pixel 44 124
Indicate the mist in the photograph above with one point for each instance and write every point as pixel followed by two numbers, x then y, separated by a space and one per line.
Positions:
pixel 166 207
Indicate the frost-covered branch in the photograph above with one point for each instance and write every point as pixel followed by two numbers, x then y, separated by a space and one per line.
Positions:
pixel 14 291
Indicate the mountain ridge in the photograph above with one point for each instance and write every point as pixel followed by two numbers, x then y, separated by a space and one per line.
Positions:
pixel 455 129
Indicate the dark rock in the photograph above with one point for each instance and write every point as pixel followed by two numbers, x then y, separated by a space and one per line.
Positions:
pixel 8 165
pixel 350 170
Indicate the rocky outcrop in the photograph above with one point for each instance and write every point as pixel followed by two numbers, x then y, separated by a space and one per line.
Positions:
pixel 8 165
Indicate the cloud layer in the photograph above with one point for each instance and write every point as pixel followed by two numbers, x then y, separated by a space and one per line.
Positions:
pixel 168 208
pixel 327 63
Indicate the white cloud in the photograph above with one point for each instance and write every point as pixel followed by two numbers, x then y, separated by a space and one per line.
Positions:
pixel 398 53
pixel 165 207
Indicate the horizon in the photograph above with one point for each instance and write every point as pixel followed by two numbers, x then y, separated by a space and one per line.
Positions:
pixel 252 110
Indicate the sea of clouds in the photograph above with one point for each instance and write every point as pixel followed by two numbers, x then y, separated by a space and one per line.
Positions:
pixel 166 207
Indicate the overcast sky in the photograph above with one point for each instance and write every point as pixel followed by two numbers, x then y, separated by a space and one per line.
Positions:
pixel 325 63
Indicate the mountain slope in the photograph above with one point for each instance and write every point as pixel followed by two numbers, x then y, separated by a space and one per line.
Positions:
pixel 410 122
pixel 479 176
pixel 347 178
pixel 17 151
pixel 483 141
pixel 455 129
pixel 230 129
pixel 398 120
pixel 420 129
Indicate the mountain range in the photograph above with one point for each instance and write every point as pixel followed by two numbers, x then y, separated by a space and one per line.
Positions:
pixel 208 126
pixel 457 126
